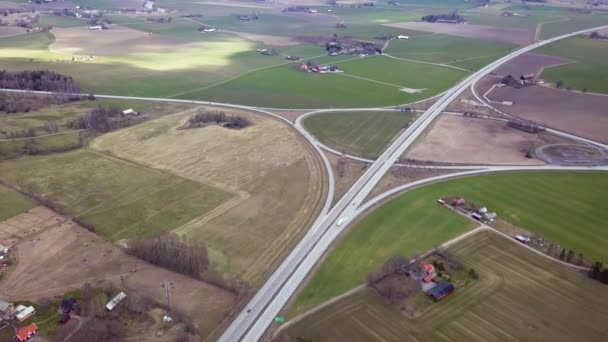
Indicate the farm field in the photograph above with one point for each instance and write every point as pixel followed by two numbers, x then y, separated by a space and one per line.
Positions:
pixel 414 222
pixel 60 21
pixel 519 296
pixel 590 70
pixel 365 82
pixel 365 134
pixel 276 181
pixel 462 52
pixel 487 142
pixel 119 198
pixel 570 111
pixel 573 23
pixel 410 223
pixel 77 256
pixel 12 203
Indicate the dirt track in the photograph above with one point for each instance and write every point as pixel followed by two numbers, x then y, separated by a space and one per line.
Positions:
pixel 510 35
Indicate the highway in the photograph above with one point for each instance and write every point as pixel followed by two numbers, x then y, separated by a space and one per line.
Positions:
pixel 256 317
pixel 252 322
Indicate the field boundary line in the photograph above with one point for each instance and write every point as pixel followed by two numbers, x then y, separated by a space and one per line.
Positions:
pixel 42 136
pixel 429 63
pixel 241 75
pixel 370 80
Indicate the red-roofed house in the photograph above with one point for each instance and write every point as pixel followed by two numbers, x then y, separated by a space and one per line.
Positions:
pixel 26 333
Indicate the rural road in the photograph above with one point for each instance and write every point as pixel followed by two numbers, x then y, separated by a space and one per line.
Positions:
pixel 260 312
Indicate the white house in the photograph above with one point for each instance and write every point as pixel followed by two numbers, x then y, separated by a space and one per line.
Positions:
pixel 96 28
pixel 403 37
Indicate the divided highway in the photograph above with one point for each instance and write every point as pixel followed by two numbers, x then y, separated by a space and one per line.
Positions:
pixel 260 312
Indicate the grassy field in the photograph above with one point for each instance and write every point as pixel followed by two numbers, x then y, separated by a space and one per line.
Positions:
pixel 519 296
pixel 12 203
pixel 573 23
pixel 409 223
pixel 120 199
pixel 365 134
pixel 377 82
pixel 591 68
pixel 412 221
pixel 60 21
pixel 438 48
pixel 277 181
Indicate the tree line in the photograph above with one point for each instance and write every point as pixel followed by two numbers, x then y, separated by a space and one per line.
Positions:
pixel 168 250
pixel 433 18
pixel 598 272
pixel 12 103
pixel 38 80
pixel 218 118
pixel 101 120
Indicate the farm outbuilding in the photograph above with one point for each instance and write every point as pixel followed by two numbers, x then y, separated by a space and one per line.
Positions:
pixel 22 313
pixel 115 301
pixel 441 290
pixel 26 332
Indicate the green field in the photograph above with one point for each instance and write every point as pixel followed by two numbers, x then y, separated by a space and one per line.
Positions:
pixel 573 23
pixel 590 71
pixel 377 82
pixel 119 198
pixel 12 203
pixel 438 48
pixel 365 134
pixel 520 296
pixel 409 223
pixel 412 221
pixel 60 21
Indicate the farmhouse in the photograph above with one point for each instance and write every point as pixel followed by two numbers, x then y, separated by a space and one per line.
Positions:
pixel 403 37
pixel 115 301
pixel 321 69
pixel 429 271
pixel 528 79
pixel 26 332
pixel 441 290
pixel 457 202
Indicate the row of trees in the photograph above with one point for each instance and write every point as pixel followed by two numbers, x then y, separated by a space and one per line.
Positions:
pixel 392 280
pixel 39 80
pixel 172 252
pixel 12 103
pixel 218 118
pixel 598 272
pixel 101 120
pixel 433 18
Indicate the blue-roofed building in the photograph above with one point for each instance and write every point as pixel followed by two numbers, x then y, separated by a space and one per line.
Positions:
pixel 441 290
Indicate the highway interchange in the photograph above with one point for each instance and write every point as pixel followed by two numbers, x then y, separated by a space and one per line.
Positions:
pixel 255 318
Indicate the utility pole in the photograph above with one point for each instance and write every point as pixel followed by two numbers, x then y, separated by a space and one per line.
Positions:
pixel 167 285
